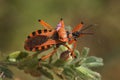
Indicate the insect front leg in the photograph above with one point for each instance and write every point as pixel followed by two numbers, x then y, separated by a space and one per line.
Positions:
pixel 74 46
pixel 48 55
pixel 44 24
pixel 72 51
pixel 73 41
pixel 78 27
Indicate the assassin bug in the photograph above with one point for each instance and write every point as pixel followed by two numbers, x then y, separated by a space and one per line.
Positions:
pixel 41 40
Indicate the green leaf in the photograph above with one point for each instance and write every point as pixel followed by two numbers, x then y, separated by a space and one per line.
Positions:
pixel 95 64
pixel 87 74
pixel 16 56
pixel 84 52
pixel 46 73
pixel 7 72
pixel 77 53
pixel 72 69
pixel 29 62
pixel 59 63
pixel 22 55
pixel 93 61
pixel 69 72
pixel 76 60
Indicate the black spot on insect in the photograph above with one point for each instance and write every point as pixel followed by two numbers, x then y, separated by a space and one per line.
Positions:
pixel 50 30
pixel 33 33
pixel 45 30
pixel 36 48
pixel 55 36
pixel 30 49
pixel 42 47
pixel 39 31
pixel 28 37
pixel 48 46
pixel 35 41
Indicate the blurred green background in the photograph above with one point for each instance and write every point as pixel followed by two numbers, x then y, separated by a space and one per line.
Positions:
pixel 19 17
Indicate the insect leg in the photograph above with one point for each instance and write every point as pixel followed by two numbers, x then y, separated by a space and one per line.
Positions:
pixel 46 25
pixel 74 46
pixel 78 27
pixel 72 52
pixel 71 41
pixel 68 47
pixel 48 55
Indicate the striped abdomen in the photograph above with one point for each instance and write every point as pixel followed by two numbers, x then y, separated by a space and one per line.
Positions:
pixel 40 40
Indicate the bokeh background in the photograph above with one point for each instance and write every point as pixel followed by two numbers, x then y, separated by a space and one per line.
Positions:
pixel 19 17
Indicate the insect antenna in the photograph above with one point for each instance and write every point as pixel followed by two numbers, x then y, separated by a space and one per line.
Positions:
pixel 86 27
pixel 87 33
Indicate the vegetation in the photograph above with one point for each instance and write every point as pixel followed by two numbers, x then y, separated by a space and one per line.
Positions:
pixel 55 68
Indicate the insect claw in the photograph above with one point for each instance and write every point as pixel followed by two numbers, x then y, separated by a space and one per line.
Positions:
pixel 73 56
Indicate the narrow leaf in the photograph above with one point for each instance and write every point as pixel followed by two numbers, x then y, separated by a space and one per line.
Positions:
pixel 16 56
pixel 88 73
pixel 46 73
pixel 93 62
pixel 84 52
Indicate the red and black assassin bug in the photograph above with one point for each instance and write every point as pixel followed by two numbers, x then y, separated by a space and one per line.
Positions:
pixel 41 40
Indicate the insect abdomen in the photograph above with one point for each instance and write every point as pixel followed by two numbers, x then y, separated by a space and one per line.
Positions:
pixel 37 38
pixel 41 48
